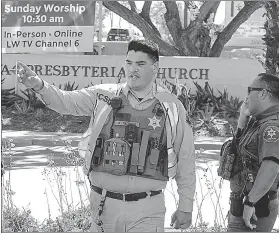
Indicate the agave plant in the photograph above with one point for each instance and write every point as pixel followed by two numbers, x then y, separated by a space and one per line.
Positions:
pixel 207 116
pixel 68 86
pixel 23 108
pixel 231 107
pixel 33 100
pixel 205 96
pixel 212 97
pixel 188 101
pixel 223 96
pixel 8 96
pixel 90 85
pixel 202 97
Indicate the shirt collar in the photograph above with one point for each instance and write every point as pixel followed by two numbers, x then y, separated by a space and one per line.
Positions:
pixel 268 112
pixel 127 90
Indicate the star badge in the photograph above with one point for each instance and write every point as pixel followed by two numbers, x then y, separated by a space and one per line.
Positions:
pixel 271 134
pixel 154 122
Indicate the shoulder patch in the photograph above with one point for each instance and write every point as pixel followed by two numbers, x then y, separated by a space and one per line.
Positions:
pixel 271 134
pixel 106 92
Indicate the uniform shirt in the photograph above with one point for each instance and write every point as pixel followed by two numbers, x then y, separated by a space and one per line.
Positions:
pixel 82 102
pixel 260 139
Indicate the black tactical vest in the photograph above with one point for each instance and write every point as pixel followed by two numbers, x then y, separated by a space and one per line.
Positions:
pixel 133 142
pixel 248 144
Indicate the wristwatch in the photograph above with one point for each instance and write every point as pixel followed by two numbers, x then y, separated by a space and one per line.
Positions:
pixel 247 202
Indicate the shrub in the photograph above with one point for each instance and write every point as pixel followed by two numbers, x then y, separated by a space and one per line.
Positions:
pixel 16 220
pixel 90 85
pixel 231 107
pixel 23 108
pixel 32 99
pixel 39 114
pixel 205 96
pixel 78 220
pixel 204 106
pixel 8 96
pixel 68 86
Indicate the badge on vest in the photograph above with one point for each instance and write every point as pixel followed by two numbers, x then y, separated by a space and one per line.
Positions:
pixel 271 134
pixel 154 122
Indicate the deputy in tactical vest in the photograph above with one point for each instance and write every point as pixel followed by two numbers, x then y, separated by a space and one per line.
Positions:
pixel 138 138
pixel 251 160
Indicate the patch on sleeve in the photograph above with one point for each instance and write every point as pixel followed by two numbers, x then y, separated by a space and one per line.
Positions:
pixel 271 134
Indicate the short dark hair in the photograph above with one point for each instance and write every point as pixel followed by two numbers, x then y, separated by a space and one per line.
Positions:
pixel 270 82
pixel 145 46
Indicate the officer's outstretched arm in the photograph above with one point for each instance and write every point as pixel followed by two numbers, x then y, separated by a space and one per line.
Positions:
pixel 80 102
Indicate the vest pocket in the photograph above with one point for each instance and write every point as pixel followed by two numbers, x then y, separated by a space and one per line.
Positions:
pixel 152 162
pixel 116 156
pixel 98 152
pixel 226 161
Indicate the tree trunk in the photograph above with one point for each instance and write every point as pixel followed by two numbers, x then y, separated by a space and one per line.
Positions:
pixel 230 29
pixel 271 37
pixel 147 30
pixel 195 39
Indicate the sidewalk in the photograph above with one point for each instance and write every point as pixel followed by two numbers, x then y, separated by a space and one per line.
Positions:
pixel 29 138
pixel 32 149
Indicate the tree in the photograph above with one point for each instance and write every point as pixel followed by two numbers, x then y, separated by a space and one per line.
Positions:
pixel 157 15
pixel 271 37
pixel 194 39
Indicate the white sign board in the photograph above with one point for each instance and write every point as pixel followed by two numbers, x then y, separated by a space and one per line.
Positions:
pixel 47 26
pixel 233 74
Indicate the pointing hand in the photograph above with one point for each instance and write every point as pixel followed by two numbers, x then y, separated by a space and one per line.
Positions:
pixel 28 77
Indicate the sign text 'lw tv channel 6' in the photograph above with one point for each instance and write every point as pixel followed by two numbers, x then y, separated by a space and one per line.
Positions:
pixel 47 26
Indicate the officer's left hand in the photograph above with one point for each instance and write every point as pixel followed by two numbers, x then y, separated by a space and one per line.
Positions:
pixel 244 114
pixel 181 220
pixel 248 213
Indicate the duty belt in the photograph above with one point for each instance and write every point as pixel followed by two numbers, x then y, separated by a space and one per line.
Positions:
pixel 271 195
pixel 126 196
